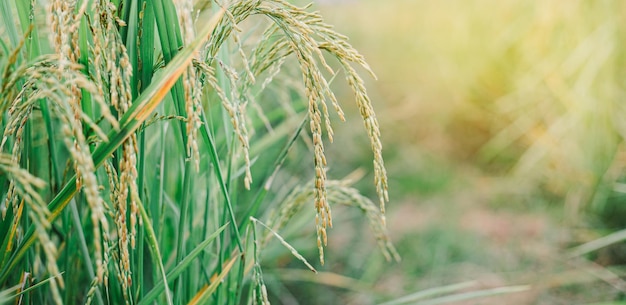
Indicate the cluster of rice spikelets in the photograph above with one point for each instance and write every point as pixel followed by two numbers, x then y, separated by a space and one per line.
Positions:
pixel 234 100
pixel 64 37
pixel 113 76
pixel 58 79
pixel 294 30
pixel 338 192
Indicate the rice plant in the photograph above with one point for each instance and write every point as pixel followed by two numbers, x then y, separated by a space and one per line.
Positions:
pixel 144 144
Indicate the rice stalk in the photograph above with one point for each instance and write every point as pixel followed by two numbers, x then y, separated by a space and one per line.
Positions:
pixel 259 293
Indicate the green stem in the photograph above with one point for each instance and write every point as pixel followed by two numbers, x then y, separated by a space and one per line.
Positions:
pixel 210 142
pixel 83 248
pixel 184 211
pixel 153 245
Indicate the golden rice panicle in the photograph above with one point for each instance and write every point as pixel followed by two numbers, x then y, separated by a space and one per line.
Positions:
pixel 235 110
pixel 305 35
pixel 233 102
pixel 239 94
pixel 113 65
pixel 61 16
pixel 101 33
pixel 121 224
pixel 86 171
pixel 338 45
pixel 322 216
pixel 302 44
pixel 43 79
pixel 93 288
pixel 373 131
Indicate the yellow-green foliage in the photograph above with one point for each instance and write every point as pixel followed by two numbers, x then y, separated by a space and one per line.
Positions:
pixel 528 88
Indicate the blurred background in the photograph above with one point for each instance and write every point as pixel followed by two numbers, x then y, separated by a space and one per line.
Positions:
pixel 503 126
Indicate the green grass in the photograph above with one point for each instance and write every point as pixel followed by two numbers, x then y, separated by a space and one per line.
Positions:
pixel 152 149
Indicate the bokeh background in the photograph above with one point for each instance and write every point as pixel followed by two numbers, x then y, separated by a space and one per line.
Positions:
pixel 503 125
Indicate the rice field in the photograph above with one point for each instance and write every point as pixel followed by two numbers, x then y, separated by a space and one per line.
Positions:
pixel 334 152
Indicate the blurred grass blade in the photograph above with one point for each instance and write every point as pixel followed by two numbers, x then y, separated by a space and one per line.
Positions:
pixel 597 244
pixel 82 241
pixel 329 279
pixel 184 264
pixel 465 296
pixel 153 245
pixel 202 297
pixel 431 293
pixel 34 286
pixel 7 294
pixel 132 119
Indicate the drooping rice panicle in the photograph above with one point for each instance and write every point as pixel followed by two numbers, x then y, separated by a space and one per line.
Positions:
pixel 338 192
pixel 114 71
pixel 64 38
